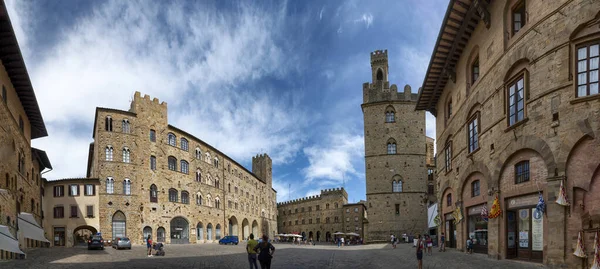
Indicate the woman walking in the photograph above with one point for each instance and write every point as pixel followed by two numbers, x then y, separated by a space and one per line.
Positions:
pixel 420 252
pixel 266 252
pixel 149 246
pixel 429 244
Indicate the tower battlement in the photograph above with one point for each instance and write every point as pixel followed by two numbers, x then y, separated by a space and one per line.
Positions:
pixel 379 56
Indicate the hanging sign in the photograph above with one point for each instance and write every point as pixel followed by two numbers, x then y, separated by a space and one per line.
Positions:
pixel 537 231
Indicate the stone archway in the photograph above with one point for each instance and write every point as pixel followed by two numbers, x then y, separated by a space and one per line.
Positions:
pixel 147 231
pixel 328 236
pixel 82 233
pixel 255 228
pixel 318 236
pixel 199 232
pixel 310 235
pixel 233 226
pixel 180 231
pixel 245 229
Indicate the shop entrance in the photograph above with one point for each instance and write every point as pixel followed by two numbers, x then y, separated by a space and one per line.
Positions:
pixel 524 227
pixel 477 229
pixel 450 231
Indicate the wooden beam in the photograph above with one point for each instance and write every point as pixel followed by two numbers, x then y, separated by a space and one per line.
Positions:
pixel 483 11
pixel 458 13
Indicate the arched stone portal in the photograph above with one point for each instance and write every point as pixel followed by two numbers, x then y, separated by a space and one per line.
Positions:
pixel 310 235
pixel 328 236
pixel 119 225
pixel 233 226
pixel 209 232
pixel 82 233
pixel 180 231
pixel 246 229
pixel 255 229
pixel 160 234
pixel 318 236
pixel 199 232
pixel 147 232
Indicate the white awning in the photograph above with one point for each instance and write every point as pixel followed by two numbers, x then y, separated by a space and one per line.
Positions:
pixel 30 228
pixel 8 242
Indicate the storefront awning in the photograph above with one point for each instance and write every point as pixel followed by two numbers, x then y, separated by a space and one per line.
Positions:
pixel 8 242
pixel 30 229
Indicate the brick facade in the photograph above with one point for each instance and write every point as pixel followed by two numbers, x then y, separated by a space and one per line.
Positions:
pixel 557 135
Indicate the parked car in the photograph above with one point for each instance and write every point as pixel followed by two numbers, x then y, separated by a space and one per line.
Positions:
pixel 230 239
pixel 96 242
pixel 121 242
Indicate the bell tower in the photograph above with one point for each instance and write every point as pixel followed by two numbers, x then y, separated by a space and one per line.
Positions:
pixel 379 67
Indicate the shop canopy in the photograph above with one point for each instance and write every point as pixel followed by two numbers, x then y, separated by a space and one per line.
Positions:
pixel 30 228
pixel 8 242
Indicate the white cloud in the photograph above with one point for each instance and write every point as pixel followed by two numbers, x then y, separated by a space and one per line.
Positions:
pixel 335 161
pixel 199 56
pixel 321 13
pixel 366 18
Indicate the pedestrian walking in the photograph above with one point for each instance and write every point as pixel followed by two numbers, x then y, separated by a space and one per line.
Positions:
pixel 429 244
pixel 394 241
pixel 251 252
pixel 443 242
pixel 149 245
pixel 469 245
pixel 342 239
pixel 420 252
pixel 266 252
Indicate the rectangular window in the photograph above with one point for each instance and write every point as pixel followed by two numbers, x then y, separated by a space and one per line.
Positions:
pixel 153 163
pixel 473 134
pixel 59 191
pixel 397 209
pixel 475 71
pixel 59 212
pixel 522 172
pixel 518 17
pixel 74 211
pixel 516 101
pixel 587 69
pixel 475 188
pixel 73 190
pixel 90 190
pixel 448 157
pixel 152 135
pixel 90 211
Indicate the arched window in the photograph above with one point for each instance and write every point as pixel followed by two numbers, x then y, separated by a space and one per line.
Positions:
pixel 108 124
pixel 198 198
pixel 198 154
pixel 127 186
pixel 216 162
pixel 199 231
pixel 185 197
pixel 126 155
pixel 108 152
pixel 147 231
pixel 217 202
pixel 397 185
pixel 160 234
pixel 336 205
pixel 390 114
pixel 153 194
pixel 208 157
pixel 218 231
pixel 209 232
pixel 172 195
pixel 119 224
pixel 208 200
pixel 198 176
pixel 172 163
pixel 184 167
pixel 184 144
pixel 449 199
pixel 172 140
pixel 217 183
pixel 209 180
pixel 391 146
pixel 379 75
pixel 125 126
pixel 110 185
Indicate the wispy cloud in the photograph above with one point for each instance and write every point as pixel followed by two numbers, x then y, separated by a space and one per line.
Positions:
pixel 366 18
pixel 335 160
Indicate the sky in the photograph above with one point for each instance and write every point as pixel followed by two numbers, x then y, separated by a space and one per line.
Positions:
pixel 283 77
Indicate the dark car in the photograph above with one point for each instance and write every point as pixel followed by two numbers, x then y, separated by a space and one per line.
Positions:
pixel 96 242
pixel 229 239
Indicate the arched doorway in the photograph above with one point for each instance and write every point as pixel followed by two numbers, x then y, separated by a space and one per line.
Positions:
pixel 209 229
pixel 82 233
pixel 218 232
pixel 233 226
pixel 318 236
pixel 310 235
pixel 160 234
pixel 147 232
pixel 328 236
pixel 180 231
pixel 255 229
pixel 119 225
pixel 245 229
pixel 199 232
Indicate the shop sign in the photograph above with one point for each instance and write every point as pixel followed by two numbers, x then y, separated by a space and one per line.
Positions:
pixel 523 201
pixel 537 231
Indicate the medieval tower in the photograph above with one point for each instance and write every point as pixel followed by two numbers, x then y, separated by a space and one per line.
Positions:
pixel 395 156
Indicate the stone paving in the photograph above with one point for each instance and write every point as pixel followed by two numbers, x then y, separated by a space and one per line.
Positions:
pixel 286 256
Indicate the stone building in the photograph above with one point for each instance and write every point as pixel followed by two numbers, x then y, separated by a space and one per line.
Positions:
pixel 158 180
pixel 72 206
pixel 395 156
pixel 514 88
pixel 430 162
pixel 320 216
pixel 21 165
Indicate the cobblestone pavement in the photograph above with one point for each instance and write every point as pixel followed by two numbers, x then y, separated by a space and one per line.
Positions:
pixel 286 256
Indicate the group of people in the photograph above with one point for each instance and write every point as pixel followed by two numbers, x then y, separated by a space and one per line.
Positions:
pixel 263 252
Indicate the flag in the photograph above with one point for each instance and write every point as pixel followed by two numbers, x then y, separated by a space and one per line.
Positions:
pixel 437 220
pixel 541 205
pixel 580 248
pixel 562 196
pixel 596 263
pixel 458 216
pixel 496 210
pixel 484 213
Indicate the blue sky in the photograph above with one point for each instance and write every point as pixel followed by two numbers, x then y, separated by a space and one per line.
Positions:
pixel 282 77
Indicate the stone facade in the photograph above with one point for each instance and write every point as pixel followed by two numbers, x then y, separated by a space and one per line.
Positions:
pixel 430 162
pixel 554 139
pixel 158 180
pixel 64 225
pixel 395 154
pixel 21 121
pixel 320 216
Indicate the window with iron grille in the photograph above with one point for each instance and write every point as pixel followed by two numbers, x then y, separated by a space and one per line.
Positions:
pixel 522 172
